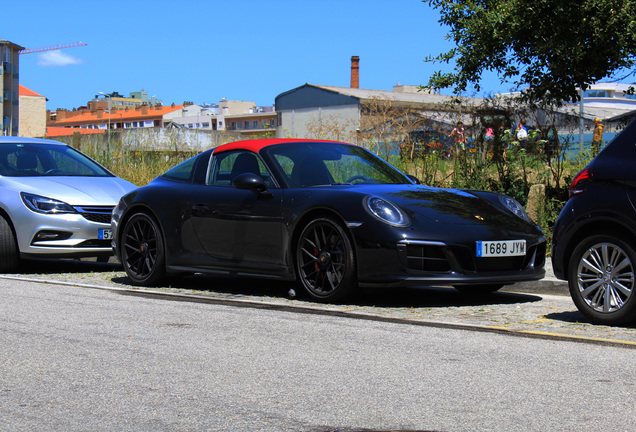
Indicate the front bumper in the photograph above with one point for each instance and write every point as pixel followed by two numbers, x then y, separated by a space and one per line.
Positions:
pixel 64 235
pixel 425 263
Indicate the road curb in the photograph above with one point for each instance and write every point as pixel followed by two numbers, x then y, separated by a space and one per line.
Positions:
pixel 549 285
pixel 336 311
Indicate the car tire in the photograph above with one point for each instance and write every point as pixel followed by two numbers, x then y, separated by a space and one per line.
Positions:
pixel 601 280
pixel 478 289
pixel 325 261
pixel 9 256
pixel 142 250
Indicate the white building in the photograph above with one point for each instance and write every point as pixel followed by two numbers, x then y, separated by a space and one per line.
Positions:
pixel 610 102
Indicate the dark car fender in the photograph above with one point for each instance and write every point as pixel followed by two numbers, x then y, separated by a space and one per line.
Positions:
pixel 346 207
pixel 577 221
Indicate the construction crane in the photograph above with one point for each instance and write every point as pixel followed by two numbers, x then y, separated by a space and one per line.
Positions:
pixel 49 48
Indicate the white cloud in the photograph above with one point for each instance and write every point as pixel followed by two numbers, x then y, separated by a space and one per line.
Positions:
pixel 56 58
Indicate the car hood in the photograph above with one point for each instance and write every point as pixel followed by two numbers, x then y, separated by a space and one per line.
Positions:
pixel 73 190
pixel 449 206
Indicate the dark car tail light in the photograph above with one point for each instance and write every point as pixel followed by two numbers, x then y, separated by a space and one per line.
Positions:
pixel 578 183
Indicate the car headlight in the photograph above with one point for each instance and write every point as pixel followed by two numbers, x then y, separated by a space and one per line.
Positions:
pixel 514 206
pixel 386 211
pixel 45 205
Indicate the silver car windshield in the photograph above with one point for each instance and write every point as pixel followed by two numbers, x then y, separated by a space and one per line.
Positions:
pixel 35 160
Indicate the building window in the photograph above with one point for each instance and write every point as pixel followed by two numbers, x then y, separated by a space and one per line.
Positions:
pixel 246 124
pixel 596 94
pixel 255 124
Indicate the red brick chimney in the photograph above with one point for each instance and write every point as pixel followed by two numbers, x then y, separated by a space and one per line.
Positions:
pixel 61 114
pixel 355 72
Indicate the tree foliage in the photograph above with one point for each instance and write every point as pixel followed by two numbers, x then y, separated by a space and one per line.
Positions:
pixel 547 48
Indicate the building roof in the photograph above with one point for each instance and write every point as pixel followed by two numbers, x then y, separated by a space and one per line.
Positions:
pixel 28 92
pixel 135 114
pixel 400 96
pixel 417 97
pixel 53 131
pixel 13 45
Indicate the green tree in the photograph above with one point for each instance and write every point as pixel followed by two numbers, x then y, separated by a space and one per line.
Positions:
pixel 547 48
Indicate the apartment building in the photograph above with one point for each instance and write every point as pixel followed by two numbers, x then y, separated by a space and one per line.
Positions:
pixel 9 87
pixel 114 119
pixel 32 113
pixel 243 117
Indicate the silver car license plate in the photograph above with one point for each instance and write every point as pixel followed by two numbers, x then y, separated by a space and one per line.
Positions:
pixel 105 234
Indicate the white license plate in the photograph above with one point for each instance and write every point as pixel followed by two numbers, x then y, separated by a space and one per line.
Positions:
pixel 503 248
pixel 105 234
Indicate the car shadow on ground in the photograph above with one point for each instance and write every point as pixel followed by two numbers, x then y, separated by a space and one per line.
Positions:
pixel 32 266
pixel 243 287
pixel 576 317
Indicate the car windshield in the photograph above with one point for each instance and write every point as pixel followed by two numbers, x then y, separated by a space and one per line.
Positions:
pixel 36 159
pixel 312 164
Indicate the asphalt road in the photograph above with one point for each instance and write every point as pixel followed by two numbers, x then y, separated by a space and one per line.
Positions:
pixel 537 309
pixel 77 359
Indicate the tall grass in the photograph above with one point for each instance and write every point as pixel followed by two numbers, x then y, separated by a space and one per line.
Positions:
pixel 138 167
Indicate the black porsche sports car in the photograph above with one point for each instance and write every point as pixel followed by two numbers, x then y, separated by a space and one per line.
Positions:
pixel 330 215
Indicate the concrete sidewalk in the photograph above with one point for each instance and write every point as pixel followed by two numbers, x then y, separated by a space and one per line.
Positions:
pixel 548 285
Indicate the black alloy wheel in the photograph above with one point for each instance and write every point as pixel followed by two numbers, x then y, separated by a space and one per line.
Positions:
pixel 602 278
pixel 325 261
pixel 9 256
pixel 142 250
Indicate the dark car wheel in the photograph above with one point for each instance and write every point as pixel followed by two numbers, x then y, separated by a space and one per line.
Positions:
pixel 9 257
pixel 325 261
pixel 142 250
pixel 601 280
pixel 478 289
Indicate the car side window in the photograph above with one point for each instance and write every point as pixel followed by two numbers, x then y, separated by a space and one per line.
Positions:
pixel 226 166
pixel 285 163
pixel 181 172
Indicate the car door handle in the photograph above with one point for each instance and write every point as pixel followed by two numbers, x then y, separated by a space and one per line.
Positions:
pixel 200 209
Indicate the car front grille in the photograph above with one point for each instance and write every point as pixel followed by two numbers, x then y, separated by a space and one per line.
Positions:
pixel 429 257
pixel 434 257
pixel 99 214
pixel 95 244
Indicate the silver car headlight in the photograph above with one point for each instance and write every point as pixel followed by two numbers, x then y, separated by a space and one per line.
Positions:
pixel 45 205
pixel 386 211
pixel 514 206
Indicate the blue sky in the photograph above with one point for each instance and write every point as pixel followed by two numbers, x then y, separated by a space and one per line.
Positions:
pixel 202 51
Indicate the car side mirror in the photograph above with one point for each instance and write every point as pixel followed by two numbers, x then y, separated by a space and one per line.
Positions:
pixel 251 182
pixel 414 179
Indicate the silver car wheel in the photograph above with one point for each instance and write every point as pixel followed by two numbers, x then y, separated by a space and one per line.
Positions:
pixel 605 277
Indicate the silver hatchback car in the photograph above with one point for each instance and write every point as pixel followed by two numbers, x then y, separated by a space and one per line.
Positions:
pixel 54 202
